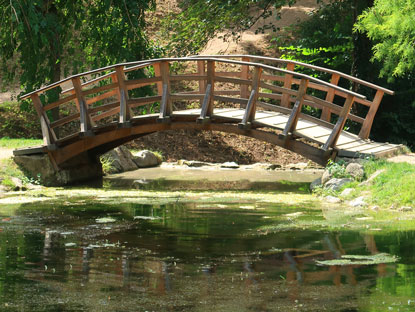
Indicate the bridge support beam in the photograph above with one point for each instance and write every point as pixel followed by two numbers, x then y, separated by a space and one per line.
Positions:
pixel 83 167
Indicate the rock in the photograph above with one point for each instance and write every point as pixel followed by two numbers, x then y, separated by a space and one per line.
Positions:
pixel 122 160
pixel 405 209
pixel 372 177
pixel 18 184
pixel 146 159
pixel 357 202
pixel 374 208
pixel 3 189
pixel 346 192
pixel 332 199
pixel 336 184
pixel 141 184
pixel 298 166
pixel 77 169
pixel 356 171
pixel 195 163
pixel 316 183
pixel 326 177
pixel 33 187
pixel 230 165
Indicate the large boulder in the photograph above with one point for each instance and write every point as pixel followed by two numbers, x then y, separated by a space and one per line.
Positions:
pixel 326 176
pixel 146 159
pixel 356 171
pixel 80 168
pixel 336 184
pixel 120 159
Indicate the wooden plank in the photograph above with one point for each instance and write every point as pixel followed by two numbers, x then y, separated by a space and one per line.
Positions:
pixel 367 124
pixel 326 113
pixel 250 109
pixel 107 113
pixel 334 136
pixel 230 99
pixel 278 89
pixel 295 114
pixel 186 97
pixel 99 89
pixel 245 76
pixel 187 77
pixel 201 71
pixel 134 102
pixel 142 82
pixel 125 110
pixel 59 102
pixel 65 120
pixel 48 134
pixel 85 119
pixel 104 107
pixel 285 101
pixel 101 97
pixel 273 77
pixel 233 80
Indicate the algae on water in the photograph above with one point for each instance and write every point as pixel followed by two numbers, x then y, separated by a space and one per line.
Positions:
pixel 360 260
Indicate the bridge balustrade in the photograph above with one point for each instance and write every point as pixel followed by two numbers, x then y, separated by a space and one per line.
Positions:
pixel 94 99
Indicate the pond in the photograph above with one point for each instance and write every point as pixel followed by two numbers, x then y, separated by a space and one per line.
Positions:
pixel 77 254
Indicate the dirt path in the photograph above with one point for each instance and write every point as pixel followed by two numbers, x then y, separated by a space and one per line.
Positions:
pixel 6 152
pixel 409 158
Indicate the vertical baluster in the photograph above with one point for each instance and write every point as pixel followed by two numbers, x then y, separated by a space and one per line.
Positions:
pixel 49 137
pixel 250 109
pixel 125 111
pixel 166 106
pixel 296 111
pixel 285 100
pixel 367 124
pixel 335 134
pixel 85 119
pixel 326 113
pixel 245 75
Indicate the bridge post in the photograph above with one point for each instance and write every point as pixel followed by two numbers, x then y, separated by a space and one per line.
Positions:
pixel 244 75
pixel 367 124
pixel 326 113
pixel 285 100
pixel 85 119
pixel 125 110
pixel 251 106
pixel 49 137
pixel 165 106
pixel 207 104
pixel 335 134
pixel 296 111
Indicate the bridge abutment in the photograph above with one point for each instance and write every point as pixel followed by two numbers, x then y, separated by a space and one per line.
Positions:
pixel 83 167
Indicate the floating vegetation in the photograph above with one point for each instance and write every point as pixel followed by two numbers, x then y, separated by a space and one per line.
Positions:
pixel 360 260
pixel 105 220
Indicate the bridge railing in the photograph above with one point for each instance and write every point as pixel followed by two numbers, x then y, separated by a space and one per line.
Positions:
pixel 105 96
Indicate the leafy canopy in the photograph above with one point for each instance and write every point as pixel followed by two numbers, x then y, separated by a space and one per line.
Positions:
pixel 391 24
pixel 40 40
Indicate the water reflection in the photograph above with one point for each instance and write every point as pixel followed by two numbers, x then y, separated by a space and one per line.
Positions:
pixel 192 258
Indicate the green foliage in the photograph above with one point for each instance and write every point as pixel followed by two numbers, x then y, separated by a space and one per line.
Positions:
pixel 391 25
pixel 106 162
pixel 19 143
pixel 337 169
pixel 15 123
pixel 201 20
pixel 43 40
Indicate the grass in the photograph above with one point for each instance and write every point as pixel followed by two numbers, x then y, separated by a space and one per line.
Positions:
pixel 6 142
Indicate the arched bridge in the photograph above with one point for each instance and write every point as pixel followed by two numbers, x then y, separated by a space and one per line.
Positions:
pixel 259 97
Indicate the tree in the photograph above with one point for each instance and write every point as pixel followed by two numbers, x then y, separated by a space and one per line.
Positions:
pixel 390 24
pixel 44 39
pixel 201 20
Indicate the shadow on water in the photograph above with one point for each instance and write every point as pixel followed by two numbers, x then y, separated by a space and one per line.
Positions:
pixel 78 256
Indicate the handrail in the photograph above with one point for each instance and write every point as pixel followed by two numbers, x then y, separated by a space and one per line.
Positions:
pixel 253 87
pixel 314 67
pixel 152 61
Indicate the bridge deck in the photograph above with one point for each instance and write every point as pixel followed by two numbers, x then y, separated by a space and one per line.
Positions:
pixel 348 144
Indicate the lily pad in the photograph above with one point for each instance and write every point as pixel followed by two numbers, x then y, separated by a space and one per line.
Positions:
pixel 105 220
pixel 360 260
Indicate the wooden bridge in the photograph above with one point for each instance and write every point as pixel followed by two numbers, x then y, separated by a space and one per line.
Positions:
pixel 259 97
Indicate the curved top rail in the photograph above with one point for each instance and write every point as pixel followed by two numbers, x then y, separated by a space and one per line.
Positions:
pixel 138 64
pixel 322 69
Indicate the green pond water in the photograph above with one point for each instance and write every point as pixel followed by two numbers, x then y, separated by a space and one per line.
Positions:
pixel 78 254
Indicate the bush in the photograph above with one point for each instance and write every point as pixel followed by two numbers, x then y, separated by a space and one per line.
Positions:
pixel 17 123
